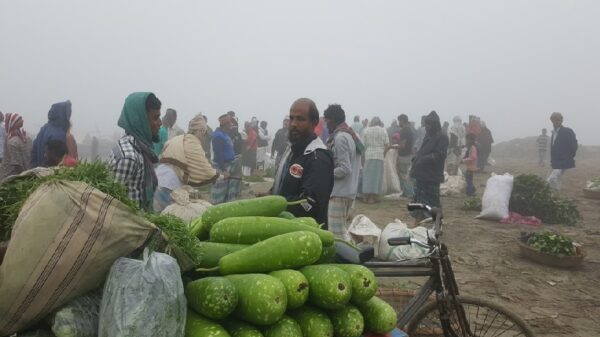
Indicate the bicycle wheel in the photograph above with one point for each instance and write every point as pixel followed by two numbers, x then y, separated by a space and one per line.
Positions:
pixel 485 319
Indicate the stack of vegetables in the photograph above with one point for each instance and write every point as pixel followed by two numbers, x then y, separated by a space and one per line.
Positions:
pixel 264 273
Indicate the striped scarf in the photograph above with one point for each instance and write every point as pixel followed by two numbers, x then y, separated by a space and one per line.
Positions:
pixel 13 124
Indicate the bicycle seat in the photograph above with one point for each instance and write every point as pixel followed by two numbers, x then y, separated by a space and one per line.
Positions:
pixel 346 253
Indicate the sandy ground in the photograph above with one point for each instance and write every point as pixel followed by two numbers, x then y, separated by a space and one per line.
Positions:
pixel 487 263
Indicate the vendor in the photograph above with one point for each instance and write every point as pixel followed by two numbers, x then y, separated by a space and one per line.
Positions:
pixel 183 162
pixel 306 168
pixel 132 159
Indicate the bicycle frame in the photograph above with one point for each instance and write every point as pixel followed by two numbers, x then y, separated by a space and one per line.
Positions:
pixel 441 281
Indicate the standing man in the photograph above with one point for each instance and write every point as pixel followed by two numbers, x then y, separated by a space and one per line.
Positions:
pixel 306 169
pixel 59 122
pixel 228 186
pixel 280 142
pixel 346 148
pixel 357 125
pixel 542 143
pixel 428 165
pixel 207 139
pixel 563 147
pixel 2 137
pixel 405 154
pixel 458 138
pixel 170 123
pixel 484 141
pixel 132 159
pixel 263 143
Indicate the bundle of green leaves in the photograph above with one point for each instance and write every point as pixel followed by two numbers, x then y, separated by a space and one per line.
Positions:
pixel 14 193
pixel 552 243
pixel 532 196
pixel 472 204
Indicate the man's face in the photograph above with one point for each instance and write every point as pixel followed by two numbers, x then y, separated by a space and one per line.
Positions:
pixel 300 127
pixel 330 124
pixel 556 121
pixel 226 123
pixel 155 123
pixel 428 127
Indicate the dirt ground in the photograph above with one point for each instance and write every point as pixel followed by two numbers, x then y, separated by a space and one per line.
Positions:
pixel 487 263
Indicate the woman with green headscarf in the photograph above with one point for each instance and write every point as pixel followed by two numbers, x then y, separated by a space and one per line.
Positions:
pixel 132 159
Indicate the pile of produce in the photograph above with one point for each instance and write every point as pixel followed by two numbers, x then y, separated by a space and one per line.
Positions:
pixel 532 196
pixel 472 204
pixel 552 243
pixel 593 185
pixel 264 273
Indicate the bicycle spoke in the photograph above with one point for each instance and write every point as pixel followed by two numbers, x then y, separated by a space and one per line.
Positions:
pixel 491 324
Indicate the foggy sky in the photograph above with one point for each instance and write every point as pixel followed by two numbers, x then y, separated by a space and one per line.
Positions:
pixel 511 62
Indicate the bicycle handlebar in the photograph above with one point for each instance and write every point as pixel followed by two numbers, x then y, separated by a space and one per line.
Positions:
pixel 436 214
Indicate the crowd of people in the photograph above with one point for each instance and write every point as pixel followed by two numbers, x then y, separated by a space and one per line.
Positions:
pixel 319 161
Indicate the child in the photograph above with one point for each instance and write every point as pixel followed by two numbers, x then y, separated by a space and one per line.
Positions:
pixel 55 154
pixel 542 143
pixel 470 161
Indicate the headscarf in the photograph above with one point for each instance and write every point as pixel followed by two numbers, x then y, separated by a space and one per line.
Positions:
pixel 11 122
pixel 197 126
pixel 58 124
pixel 134 120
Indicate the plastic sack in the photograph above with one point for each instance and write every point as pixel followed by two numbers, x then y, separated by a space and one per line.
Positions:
pixel 494 204
pixel 391 182
pixel 363 230
pixel 64 241
pixel 396 229
pixel 36 333
pixel 453 185
pixel 79 318
pixel 185 208
pixel 143 298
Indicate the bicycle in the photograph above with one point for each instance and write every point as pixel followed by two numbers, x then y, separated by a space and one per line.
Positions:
pixel 450 315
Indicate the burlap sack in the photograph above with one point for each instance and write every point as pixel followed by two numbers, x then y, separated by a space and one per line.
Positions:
pixel 63 244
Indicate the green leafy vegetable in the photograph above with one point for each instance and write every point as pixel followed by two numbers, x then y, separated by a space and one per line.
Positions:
pixel 552 243
pixel 472 204
pixel 532 195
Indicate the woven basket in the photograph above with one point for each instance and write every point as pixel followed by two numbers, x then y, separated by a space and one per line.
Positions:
pixel 550 259
pixel 397 298
pixel 591 194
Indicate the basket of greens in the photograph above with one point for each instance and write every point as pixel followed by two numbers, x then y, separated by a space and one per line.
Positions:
pixel 592 189
pixel 551 249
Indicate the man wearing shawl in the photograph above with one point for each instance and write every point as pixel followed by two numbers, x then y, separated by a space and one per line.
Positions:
pixel 183 162
pixel 132 159
pixel 347 149
pixel 17 152
pixel 57 127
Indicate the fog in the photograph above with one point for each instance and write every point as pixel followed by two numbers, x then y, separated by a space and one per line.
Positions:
pixel 511 62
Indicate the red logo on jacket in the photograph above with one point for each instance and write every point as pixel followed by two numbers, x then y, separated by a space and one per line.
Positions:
pixel 296 171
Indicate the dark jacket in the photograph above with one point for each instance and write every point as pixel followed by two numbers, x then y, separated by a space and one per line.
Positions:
pixel 306 172
pixel 56 129
pixel 563 149
pixel 428 163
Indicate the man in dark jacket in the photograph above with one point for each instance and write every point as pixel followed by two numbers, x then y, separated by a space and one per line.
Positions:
pixel 306 168
pixel 280 142
pixel 428 165
pixel 563 147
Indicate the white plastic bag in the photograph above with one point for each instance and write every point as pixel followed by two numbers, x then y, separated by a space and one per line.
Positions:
pixel 453 185
pixel 391 182
pixel 185 208
pixel 494 204
pixel 396 229
pixel 79 318
pixel 143 298
pixel 363 230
